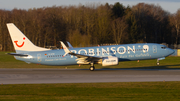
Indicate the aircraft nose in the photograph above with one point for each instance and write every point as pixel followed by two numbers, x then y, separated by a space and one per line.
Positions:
pixel 171 51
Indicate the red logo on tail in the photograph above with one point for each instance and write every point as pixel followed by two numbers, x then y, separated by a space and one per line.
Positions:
pixel 19 45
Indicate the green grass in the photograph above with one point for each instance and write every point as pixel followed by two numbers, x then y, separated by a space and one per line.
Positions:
pixel 8 61
pixel 132 91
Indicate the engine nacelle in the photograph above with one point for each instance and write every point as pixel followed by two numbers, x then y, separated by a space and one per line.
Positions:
pixel 109 61
pixel 82 63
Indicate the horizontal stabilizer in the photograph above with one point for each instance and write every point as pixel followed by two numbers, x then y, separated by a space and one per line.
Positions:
pixel 15 54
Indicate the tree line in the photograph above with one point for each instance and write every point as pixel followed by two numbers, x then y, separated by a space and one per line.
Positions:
pixel 92 24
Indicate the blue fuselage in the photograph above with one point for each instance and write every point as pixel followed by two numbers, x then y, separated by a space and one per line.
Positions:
pixel 127 52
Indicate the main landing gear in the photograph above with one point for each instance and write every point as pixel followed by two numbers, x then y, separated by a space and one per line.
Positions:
pixel 92 68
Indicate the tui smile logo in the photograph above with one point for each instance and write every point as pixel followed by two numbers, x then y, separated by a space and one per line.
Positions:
pixel 16 42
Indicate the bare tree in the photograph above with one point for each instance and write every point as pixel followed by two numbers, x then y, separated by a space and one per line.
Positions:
pixel 119 27
pixel 175 22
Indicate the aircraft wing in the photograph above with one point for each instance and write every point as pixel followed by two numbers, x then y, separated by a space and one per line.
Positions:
pixel 80 57
pixel 15 54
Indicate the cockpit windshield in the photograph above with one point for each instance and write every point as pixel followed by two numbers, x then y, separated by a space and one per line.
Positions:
pixel 163 47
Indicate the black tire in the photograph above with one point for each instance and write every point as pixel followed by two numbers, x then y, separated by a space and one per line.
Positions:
pixel 158 63
pixel 92 68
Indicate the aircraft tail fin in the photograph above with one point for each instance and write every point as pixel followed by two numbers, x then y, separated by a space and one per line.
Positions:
pixel 20 41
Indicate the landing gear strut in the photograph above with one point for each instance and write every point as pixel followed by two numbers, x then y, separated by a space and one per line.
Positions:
pixel 92 68
pixel 157 62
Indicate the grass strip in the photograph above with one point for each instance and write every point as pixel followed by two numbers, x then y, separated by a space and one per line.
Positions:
pixel 133 91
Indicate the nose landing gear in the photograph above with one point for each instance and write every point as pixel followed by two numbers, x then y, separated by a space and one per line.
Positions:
pixel 157 62
pixel 92 68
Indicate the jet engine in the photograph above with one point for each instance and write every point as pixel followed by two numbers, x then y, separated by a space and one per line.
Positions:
pixel 109 61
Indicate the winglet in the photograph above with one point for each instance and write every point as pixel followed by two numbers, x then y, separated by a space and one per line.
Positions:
pixel 70 46
pixel 65 48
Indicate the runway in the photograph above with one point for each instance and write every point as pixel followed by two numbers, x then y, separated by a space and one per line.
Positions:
pixel 44 76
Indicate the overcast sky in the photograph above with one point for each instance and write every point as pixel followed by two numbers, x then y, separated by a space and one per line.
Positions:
pixel 169 5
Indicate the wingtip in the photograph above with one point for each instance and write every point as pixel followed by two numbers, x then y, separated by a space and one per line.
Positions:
pixel 9 23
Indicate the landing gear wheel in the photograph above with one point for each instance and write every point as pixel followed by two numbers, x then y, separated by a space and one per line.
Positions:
pixel 91 68
pixel 158 63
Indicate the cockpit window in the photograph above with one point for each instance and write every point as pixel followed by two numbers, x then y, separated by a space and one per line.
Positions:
pixel 163 47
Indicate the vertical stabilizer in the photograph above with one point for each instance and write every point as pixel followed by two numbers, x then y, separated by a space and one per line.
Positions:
pixel 20 41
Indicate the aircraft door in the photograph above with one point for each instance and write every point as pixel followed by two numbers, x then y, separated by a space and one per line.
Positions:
pixel 39 59
pixel 154 49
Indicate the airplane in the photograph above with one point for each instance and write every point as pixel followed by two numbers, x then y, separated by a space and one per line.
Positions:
pixel 104 55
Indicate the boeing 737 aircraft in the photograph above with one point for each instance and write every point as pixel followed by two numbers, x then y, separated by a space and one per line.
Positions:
pixel 105 55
